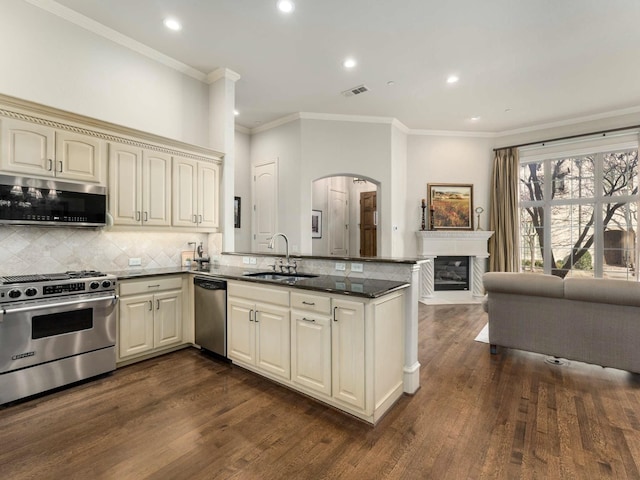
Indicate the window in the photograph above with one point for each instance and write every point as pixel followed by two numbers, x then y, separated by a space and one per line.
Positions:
pixel 578 208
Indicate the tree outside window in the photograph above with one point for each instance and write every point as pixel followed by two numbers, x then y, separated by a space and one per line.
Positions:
pixel 583 220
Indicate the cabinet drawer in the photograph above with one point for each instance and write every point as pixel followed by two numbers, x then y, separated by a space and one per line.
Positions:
pixel 313 303
pixel 150 285
pixel 256 293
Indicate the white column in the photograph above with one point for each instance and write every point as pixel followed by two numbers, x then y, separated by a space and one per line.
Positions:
pixel 222 100
pixel 479 268
pixel 411 364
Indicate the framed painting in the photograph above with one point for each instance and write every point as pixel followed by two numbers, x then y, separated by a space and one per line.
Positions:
pixel 237 210
pixel 316 223
pixel 450 206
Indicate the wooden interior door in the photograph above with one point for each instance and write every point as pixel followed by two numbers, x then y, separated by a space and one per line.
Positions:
pixel 368 224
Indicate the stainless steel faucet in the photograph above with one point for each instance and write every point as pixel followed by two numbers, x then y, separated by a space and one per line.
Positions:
pixel 272 242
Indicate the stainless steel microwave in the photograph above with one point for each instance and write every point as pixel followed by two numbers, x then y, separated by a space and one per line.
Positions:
pixel 30 201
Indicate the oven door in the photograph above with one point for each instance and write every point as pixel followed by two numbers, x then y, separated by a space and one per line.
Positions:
pixel 33 333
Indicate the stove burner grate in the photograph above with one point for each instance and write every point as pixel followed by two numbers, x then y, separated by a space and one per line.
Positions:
pixel 8 279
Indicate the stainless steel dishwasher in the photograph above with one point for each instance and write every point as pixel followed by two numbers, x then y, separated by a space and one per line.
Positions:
pixel 211 314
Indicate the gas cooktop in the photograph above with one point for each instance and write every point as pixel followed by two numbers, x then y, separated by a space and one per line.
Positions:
pixel 45 277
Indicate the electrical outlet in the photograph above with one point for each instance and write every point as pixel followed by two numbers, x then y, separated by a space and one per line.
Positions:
pixel 135 262
pixel 340 266
pixel 357 267
pixel 246 260
pixel 253 261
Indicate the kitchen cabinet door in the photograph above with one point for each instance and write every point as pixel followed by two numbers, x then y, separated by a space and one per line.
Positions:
pixel 208 188
pixel 78 157
pixel 135 333
pixel 125 182
pixel 273 346
pixel 311 351
pixel 348 360
pixel 156 188
pixel 241 331
pixel 185 197
pixel 27 148
pixel 167 324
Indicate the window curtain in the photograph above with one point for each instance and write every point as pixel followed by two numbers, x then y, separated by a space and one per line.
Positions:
pixel 503 213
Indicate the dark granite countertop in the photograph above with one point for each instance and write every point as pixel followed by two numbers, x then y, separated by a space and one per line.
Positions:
pixel 407 260
pixel 359 287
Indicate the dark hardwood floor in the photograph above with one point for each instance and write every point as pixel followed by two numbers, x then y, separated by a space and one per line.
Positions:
pixel 476 416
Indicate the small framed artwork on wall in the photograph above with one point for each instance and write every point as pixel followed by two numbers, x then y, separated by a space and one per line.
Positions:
pixel 450 206
pixel 316 223
pixel 237 211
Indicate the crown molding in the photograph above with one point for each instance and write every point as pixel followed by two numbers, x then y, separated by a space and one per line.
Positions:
pixel 99 29
pixel 222 72
pixel 241 129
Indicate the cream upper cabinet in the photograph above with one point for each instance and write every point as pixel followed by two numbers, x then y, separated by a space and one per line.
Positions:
pixel 195 193
pixel 140 186
pixel 34 149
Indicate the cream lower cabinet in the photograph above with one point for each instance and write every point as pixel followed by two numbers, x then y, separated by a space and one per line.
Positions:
pixel 258 328
pixel 345 351
pixel 150 316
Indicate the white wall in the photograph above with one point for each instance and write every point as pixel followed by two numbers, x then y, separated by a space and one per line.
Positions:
pixel 320 201
pixel 282 144
pixel 242 189
pixel 331 147
pixel 445 159
pixel 51 61
pixel 400 228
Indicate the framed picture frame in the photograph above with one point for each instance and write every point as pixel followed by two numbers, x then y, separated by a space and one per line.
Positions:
pixel 237 211
pixel 316 223
pixel 450 206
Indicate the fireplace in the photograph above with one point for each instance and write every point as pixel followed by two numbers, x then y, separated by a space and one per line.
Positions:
pixel 435 246
pixel 451 273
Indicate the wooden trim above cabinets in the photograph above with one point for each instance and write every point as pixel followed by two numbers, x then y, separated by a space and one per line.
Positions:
pixel 27 111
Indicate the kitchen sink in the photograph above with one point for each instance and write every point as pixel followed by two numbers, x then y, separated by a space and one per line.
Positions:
pixel 280 277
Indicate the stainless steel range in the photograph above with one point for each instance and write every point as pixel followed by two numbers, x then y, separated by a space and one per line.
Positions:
pixel 55 329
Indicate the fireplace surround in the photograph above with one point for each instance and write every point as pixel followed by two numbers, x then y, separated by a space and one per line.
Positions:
pixel 434 244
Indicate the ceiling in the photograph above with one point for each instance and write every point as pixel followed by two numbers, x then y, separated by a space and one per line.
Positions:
pixel 520 63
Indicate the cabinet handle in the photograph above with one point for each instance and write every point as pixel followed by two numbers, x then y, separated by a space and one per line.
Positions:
pixel 150 305
pixel 255 316
pixel 146 217
pixel 308 319
pixel 157 304
pixel 307 303
pixel 199 218
pixel 250 312
pixel 137 215
pixel 50 165
pixel 153 286
pixel 195 219
pixel 60 162
pixel 334 314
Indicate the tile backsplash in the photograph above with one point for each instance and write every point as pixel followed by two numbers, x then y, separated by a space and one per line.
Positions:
pixel 30 250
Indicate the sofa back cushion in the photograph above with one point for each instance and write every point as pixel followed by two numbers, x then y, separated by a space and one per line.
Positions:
pixel 524 284
pixel 598 290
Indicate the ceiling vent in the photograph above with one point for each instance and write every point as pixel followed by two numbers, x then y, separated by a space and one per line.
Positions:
pixel 355 91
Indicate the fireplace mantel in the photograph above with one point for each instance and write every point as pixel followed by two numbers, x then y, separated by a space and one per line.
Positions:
pixel 468 243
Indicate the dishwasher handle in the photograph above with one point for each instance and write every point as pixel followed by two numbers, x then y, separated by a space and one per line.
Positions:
pixel 210 283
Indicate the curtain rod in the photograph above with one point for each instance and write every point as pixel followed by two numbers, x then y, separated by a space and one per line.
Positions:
pixel 569 137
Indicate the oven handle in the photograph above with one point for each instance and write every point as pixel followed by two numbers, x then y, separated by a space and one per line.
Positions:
pixel 29 308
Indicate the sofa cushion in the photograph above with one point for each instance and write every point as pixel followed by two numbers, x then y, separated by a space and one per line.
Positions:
pixel 598 290
pixel 524 284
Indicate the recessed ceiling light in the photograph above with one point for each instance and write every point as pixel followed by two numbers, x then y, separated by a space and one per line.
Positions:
pixel 349 63
pixel 286 6
pixel 172 24
pixel 390 83
pixel 475 119
pixel 236 113
pixel 452 79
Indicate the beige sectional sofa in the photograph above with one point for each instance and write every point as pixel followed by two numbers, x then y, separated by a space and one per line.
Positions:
pixel 590 320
